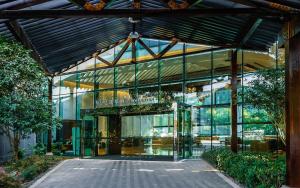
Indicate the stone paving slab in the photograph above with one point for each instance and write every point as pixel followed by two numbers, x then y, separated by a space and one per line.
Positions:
pixel 96 173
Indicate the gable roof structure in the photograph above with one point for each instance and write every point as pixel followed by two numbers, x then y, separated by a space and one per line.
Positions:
pixel 63 33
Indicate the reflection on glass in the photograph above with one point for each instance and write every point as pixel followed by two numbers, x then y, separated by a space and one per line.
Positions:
pixel 260 138
pixel 198 65
pixel 102 137
pixel 147 73
pixel 68 84
pixel 171 69
pixel 148 95
pixel 55 85
pixel 171 93
pixel 104 78
pixel 147 135
pixel 89 64
pixel 125 76
pixel 68 106
pixel 85 81
pixel 203 83
pixel 126 97
pixel 222 63
pixel 105 98
pixel 85 101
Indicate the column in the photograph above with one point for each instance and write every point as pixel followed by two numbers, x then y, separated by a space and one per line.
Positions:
pixel 293 110
pixel 49 144
pixel 234 141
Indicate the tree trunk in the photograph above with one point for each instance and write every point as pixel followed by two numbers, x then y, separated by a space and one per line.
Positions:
pixel 15 143
pixel 278 121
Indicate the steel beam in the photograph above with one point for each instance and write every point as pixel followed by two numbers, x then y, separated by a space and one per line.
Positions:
pixel 147 48
pixel 104 61
pixel 248 31
pixel 286 3
pixel 21 4
pixel 137 13
pixel 133 50
pixel 123 50
pixel 21 36
pixel 164 51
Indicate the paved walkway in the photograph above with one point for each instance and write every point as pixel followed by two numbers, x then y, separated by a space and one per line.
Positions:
pixel 86 173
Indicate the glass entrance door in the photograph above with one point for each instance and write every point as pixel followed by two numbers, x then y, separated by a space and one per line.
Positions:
pixel 102 136
pixel 184 132
pixel 88 139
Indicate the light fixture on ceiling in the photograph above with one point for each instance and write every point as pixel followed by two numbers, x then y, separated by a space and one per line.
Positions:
pixel 133 34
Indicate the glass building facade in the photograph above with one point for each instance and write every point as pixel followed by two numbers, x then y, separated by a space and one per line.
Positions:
pixel 175 106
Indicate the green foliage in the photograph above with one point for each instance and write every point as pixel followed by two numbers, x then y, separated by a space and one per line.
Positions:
pixel 40 149
pixel 24 106
pixel 267 92
pixel 27 169
pixel 30 172
pixel 21 153
pixel 251 169
pixel 57 148
pixel 8 181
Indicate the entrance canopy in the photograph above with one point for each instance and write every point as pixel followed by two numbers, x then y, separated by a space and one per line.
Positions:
pixel 65 33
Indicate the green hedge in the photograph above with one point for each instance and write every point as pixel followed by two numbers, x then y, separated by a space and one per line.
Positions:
pixel 24 170
pixel 262 170
pixel 7 181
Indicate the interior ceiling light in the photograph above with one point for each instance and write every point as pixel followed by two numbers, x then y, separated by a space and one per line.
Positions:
pixel 133 34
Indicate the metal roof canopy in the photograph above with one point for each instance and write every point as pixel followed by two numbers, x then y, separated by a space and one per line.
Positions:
pixel 62 34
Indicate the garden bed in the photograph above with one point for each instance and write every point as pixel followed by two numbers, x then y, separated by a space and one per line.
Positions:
pixel 25 170
pixel 263 170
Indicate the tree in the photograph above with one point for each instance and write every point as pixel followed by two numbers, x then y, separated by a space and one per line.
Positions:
pixel 267 91
pixel 24 107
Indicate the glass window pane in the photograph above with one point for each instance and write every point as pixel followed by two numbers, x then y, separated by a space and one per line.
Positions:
pixel 105 98
pixel 175 50
pixel 68 106
pixel 198 93
pixel 85 100
pixel 254 60
pixel 68 84
pixel 171 93
pixel 147 73
pixel 85 81
pixel 55 86
pixel 260 137
pixel 89 64
pixel 125 76
pixel 171 69
pixel 104 78
pixel 148 95
pixel 126 97
pixel 222 63
pixel 198 65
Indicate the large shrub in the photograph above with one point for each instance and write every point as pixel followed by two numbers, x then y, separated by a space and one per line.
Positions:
pixel 8 181
pixel 27 169
pixel 251 169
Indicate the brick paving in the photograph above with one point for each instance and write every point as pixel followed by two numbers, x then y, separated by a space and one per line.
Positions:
pixel 90 173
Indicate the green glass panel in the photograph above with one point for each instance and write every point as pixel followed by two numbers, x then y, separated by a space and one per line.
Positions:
pixel 76 140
